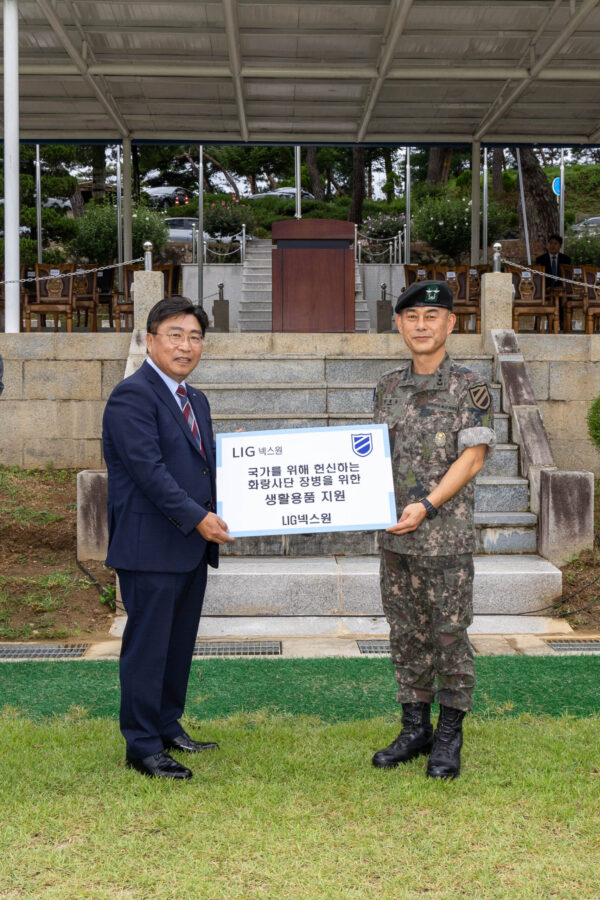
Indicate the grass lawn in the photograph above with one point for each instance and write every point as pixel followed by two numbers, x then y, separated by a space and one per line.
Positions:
pixel 290 807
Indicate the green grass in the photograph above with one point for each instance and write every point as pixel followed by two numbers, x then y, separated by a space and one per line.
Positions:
pixel 37 596
pixel 331 690
pixel 292 808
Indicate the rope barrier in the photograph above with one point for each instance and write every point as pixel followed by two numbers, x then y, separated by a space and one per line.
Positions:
pixel 79 271
pixel 371 240
pixel 586 284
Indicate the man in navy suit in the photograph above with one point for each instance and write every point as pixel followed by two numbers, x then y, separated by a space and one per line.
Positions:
pixel 163 531
pixel 552 260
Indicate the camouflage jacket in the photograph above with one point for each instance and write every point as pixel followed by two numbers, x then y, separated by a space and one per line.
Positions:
pixel 431 420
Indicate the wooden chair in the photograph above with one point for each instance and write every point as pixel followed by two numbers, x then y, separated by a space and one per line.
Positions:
pixel 459 279
pixel 105 284
pixel 591 275
pixel 54 294
pixel 530 298
pixel 124 306
pixel 417 273
pixel 573 296
pixel 85 295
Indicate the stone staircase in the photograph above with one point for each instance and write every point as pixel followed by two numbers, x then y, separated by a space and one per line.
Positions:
pixel 255 306
pixel 256 301
pixel 335 574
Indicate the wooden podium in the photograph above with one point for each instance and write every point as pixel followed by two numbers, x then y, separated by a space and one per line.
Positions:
pixel 313 275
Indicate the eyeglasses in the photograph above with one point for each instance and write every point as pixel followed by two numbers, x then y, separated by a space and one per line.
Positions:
pixel 175 338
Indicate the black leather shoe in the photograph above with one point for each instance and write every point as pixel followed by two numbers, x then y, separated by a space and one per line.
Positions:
pixel 159 765
pixel 184 742
pixel 444 760
pixel 415 739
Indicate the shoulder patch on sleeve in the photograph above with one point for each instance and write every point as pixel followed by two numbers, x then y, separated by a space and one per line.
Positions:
pixel 480 396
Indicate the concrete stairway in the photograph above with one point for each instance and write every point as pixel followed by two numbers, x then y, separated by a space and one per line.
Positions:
pixel 336 574
pixel 255 306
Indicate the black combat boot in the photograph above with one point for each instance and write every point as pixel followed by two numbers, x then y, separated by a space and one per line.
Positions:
pixel 444 760
pixel 416 737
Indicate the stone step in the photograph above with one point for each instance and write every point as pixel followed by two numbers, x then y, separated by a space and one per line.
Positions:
pixel 501 493
pixel 504 461
pixel 330 586
pixel 248 295
pixel 502 427
pixel 338 370
pixel 255 305
pixel 517 534
pixel 288 397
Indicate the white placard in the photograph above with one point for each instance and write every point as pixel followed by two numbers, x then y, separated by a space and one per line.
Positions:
pixel 305 480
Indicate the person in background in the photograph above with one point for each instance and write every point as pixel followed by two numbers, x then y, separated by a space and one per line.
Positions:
pixel 552 260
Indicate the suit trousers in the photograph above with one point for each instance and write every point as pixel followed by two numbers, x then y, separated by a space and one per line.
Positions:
pixel 163 613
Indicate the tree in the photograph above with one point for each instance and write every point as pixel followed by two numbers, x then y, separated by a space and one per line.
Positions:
pixel 497 169
pixel 438 167
pixel 358 185
pixel 312 167
pixel 540 202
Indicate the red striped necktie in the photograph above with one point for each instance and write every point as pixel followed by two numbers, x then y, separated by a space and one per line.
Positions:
pixel 188 412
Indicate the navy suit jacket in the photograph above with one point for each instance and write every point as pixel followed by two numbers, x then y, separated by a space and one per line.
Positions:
pixel 160 486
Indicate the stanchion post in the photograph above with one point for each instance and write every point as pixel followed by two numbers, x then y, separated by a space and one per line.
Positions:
pixel 148 256
pixel 243 247
pixel 496 265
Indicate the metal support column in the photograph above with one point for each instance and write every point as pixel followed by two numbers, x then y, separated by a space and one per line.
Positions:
pixel 200 253
pixel 522 190
pixel 475 202
pixel 298 181
pixel 119 219
pixel 484 229
pixel 38 202
pixel 407 196
pixel 12 321
pixel 127 206
pixel 561 203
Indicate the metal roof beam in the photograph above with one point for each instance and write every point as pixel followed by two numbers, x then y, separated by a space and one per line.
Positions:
pixel 233 46
pixel 325 73
pixel 82 67
pixel 573 23
pixel 396 21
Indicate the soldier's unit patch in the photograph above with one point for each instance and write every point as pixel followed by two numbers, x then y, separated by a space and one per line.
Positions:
pixel 480 395
pixel 440 439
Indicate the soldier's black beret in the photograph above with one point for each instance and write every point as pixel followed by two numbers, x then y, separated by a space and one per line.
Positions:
pixel 426 293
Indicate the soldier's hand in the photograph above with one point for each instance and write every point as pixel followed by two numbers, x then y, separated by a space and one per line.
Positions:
pixel 213 528
pixel 411 518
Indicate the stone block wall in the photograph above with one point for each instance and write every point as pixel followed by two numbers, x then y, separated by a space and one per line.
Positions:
pixel 565 374
pixel 55 389
pixel 56 386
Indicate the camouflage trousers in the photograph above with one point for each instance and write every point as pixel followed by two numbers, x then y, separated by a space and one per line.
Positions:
pixel 428 602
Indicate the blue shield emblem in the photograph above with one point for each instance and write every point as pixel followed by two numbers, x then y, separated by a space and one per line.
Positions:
pixel 362 444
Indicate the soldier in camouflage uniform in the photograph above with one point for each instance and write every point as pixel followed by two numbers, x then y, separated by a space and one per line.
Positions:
pixel 439 416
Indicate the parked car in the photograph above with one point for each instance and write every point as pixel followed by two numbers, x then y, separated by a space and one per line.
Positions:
pixel 286 193
pixel 591 225
pixel 24 231
pixel 166 196
pixel 57 203
pixel 180 228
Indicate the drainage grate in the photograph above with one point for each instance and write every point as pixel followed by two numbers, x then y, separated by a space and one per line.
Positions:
pixel 590 645
pixel 42 651
pixel 374 648
pixel 237 648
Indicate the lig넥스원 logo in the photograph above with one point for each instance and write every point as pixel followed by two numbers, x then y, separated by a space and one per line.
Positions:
pixel 362 444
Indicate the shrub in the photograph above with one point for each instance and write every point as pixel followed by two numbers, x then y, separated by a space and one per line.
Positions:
pixel 593 421
pixel 226 217
pixel 445 224
pixel 95 240
pixel 583 249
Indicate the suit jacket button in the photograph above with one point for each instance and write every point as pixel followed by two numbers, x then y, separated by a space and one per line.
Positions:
pixel 205 472
pixel 209 504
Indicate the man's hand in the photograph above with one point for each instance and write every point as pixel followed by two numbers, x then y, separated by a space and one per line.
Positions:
pixel 411 518
pixel 213 528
